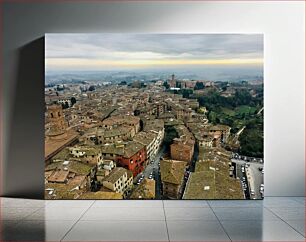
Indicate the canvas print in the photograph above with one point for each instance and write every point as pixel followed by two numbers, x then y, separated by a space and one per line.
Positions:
pixel 154 116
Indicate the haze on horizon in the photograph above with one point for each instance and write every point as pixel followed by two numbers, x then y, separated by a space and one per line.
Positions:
pixel 110 52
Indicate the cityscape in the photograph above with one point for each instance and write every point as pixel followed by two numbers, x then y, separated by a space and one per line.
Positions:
pixel 154 116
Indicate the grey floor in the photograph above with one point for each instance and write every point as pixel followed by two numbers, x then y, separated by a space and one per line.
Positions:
pixel 274 219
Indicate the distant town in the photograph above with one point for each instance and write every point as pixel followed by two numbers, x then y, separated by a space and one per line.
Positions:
pixel 167 138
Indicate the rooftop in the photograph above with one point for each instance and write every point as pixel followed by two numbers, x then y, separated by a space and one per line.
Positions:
pixel 145 138
pixel 115 174
pixel 58 176
pixel 145 190
pixel 172 171
pixel 60 191
pixel 125 149
pixel 211 178
pixel 100 195
pixel 73 166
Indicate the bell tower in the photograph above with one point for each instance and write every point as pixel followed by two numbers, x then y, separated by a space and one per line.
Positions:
pixel 56 119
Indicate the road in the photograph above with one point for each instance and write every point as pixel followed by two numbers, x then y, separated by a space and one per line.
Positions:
pixel 253 175
pixel 256 178
pixel 154 168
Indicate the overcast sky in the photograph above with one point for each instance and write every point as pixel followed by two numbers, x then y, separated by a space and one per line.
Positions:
pixel 136 51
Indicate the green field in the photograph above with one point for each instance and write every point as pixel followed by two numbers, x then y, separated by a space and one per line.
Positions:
pixel 251 138
pixel 238 111
pixel 244 109
pixel 227 111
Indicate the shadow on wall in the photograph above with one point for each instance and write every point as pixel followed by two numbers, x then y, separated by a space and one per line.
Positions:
pixel 25 154
pixel 25 231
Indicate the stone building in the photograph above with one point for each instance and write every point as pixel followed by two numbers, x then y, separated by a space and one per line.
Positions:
pixel 130 155
pixel 57 137
pixel 182 147
pixel 86 154
pixel 119 120
pixel 149 140
pixel 156 126
pixel 172 177
pixel 145 190
pixel 221 132
pixel 120 180
pixel 56 120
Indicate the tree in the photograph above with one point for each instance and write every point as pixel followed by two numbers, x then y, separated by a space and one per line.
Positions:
pixel 91 88
pixel 73 101
pixel 198 86
pixel 186 93
pixel 65 105
pixel 166 85
pixel 251 141
pixel 122 83
pixel 212 116
pixel 242 97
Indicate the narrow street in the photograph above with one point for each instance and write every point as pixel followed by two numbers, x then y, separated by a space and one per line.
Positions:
pixel 153 168
pixel 253 174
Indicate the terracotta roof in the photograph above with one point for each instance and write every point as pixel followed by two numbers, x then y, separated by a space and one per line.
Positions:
pixel 127 149
pixel 58 176
pixel 73 166
pixel 212 171
pixel 115 174
pixel 145 190
pixel 172 171
pixel 145 138
pixel 100 195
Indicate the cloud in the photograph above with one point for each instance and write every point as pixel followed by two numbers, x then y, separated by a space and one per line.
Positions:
pixel 152 47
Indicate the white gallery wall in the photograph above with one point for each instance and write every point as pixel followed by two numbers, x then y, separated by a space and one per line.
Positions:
pixel 281 22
